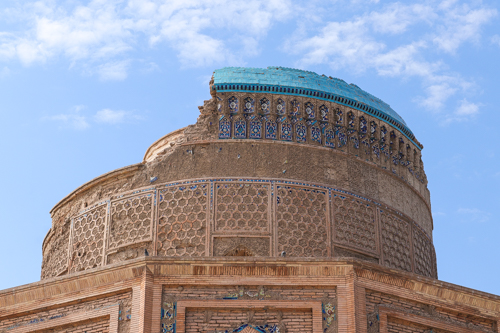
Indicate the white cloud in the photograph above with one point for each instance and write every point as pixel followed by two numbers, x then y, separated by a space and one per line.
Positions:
pixel 496 40
pixel 467 108
pixel 474 215
pixel 108 116
pixel 362 43
pixel 4 72
pixel 101 34
pixel 460 23
pixel 77 120
pixel 113 71
pixel 72 120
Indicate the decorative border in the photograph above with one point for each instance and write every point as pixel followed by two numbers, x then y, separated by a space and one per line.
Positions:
pixel 317 94
pixel 111 312
pixel 329 193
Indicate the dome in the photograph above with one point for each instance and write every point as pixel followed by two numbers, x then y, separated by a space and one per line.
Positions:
pixel 281 163
pixel 282 80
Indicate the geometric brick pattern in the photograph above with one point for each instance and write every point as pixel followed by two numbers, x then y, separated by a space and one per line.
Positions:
pixel 424 254
pixel 196 218
pixel 131 220
pixel 56 257
pixel 395 241
pixel 182 215
pixel 302 223
pixel 354 223
pixel 88 239
pixel 242 207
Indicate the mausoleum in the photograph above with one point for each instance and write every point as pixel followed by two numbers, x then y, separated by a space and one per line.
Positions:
pixel 296 203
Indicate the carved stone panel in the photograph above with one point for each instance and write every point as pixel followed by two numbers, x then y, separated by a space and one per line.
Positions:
pixel 242 247
pixel 131 220
pixel 182 220
pixel 395 241
pixel 242 207
pixel 88 239
pixel 302 222
pixel 354 223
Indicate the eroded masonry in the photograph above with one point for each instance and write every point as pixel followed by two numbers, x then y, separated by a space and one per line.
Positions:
pixel 296 203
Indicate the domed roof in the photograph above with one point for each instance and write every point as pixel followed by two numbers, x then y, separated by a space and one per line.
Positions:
pixel 291 81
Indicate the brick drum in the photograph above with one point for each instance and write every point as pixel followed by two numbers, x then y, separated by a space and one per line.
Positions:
pixel 296 203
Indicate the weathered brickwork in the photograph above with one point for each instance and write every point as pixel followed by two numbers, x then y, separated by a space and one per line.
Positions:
pixel 222 320
pixel 208 319
pixel 88 239
pixel 131 220
pixel 376 299
pixel 424 254
pixel 123 301
pixel 401 326
pixel 396 241
pixel 302 224
pixel 182 213
pixel 355 223
pixel 86 327
pixel 55 260
pixel 242 207
pixel 245 217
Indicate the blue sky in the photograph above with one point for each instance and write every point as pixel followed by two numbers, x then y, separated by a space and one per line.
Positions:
pixel 87 86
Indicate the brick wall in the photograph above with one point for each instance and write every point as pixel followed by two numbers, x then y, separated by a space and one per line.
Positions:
pixel 101 326
pixel 374 298
pixel 201 321
pixel 124 301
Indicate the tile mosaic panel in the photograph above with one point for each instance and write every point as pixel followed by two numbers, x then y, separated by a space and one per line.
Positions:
pixel 255 129
pixel 271 129
pixel 88 239
pixel 354 223
pixel 242 207
pixel 240 128
pixel 301 221
pixel 182 215
pixel 131 220
pixel 224 128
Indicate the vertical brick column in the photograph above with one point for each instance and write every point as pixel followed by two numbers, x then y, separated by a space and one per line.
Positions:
pixel 156 308
pixel 360 301
pixel 142 304
pixel 346 304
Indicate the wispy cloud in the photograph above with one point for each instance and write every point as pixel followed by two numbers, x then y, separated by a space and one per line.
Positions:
pixel 496 40
pixel 474 215
pixel 362 43
pixel 71 120
pixel 108 116
pixel 77 120
pixel 101 34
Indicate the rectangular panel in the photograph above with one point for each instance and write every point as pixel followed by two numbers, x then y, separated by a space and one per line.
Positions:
pixel 242 207
pixel 354 223
pixel 242 246
pixel 423 253
pixel 182 220
pixel 396 241
pixel 301 217
pixel 88 239
pixel 285 315
pixel 131 220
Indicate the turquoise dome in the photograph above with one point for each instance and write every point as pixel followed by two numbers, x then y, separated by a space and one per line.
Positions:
pixel 289 81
